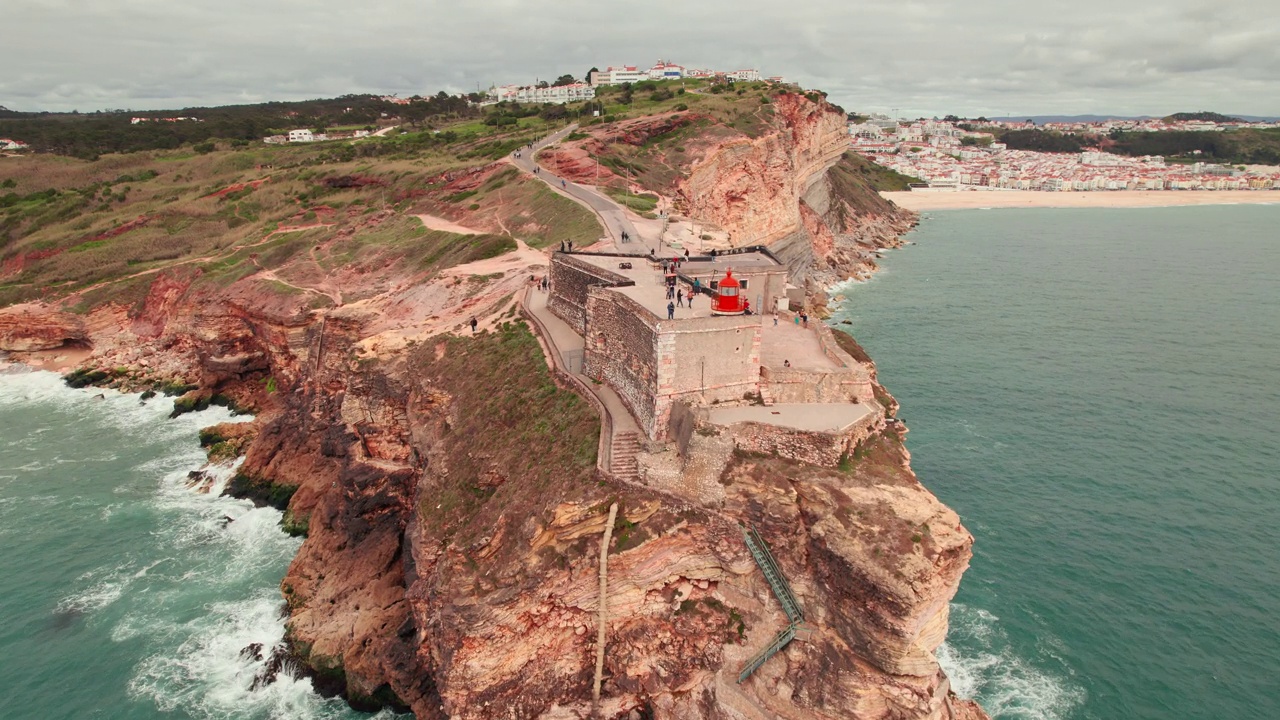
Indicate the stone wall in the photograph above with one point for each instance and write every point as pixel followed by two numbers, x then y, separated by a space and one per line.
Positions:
pixel 790 385
pixel 706 360
pixel 571 278
pixel 806 446
pixel 620 350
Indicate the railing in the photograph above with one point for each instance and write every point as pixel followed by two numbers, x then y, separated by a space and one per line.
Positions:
pixel 779 641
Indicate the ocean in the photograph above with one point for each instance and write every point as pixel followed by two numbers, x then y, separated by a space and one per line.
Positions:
pixel 1097 394
pixel 124 592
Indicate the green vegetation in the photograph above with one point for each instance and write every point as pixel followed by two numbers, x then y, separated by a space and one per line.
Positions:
pixel 1202 116
pixel 644 202
pixel 854 169
pixel 1043 141
pixel 261 492
pixel 541 438
pixel 91 135
pixel 1242 145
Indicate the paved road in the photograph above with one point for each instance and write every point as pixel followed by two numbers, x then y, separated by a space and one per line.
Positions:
pixel 612 215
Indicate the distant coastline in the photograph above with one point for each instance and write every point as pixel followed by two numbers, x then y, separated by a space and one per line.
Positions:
pixel 960 200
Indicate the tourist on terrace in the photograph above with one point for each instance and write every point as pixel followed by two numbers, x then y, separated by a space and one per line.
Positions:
pixel 671 314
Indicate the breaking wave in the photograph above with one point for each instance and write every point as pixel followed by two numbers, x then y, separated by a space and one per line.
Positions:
pixel 981 663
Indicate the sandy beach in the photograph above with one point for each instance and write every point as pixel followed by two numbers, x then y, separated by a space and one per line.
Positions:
pixel 960 200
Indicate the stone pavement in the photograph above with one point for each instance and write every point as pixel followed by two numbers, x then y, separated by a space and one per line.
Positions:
pixel 827 417
pixel 791 341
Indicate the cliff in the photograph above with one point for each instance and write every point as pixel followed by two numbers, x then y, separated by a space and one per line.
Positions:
pixel 773 170
pixel 795 189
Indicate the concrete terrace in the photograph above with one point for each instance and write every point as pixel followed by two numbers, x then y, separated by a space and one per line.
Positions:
pixel 791 341
pixel 830 417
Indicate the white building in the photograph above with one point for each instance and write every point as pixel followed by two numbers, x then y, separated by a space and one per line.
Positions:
pixel 572 92
pixel 618 75
pixel 301 136
pixel 743 75
pixel 666 71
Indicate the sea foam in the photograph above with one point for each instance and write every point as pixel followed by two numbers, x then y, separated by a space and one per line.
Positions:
pixel 990 672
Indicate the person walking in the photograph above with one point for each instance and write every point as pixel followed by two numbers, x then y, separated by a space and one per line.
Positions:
pixel 804 318
pixel 562 185
pixel 473 325
pixel 671 311
pixel 680 298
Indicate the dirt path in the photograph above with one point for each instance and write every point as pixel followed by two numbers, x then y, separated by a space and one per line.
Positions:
pixel 438 223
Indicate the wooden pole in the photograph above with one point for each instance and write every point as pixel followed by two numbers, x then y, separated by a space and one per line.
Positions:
pixel 604 586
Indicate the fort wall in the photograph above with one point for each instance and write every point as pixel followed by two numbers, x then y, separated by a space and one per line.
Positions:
pixel 571 278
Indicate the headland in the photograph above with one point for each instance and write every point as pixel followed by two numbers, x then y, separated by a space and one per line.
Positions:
pixel 567 502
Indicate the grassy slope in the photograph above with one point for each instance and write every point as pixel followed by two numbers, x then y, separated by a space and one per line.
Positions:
pixel 656 161
pixel 68 225
pixel 541 439
pixel 853 170
pixel 524 206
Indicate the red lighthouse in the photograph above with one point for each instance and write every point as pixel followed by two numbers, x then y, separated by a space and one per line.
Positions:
pixel 730 300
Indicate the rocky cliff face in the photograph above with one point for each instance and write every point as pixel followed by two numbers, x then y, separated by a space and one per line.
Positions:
pixel 791 189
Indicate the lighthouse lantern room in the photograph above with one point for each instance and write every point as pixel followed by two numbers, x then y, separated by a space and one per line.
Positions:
pixel 730 300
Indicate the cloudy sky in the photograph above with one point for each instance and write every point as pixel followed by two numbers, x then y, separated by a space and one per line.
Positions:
pixel 923 57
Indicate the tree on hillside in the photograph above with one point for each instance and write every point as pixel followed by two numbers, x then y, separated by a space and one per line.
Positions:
pixel 564 80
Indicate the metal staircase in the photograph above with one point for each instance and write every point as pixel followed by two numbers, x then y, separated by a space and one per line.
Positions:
pixel 769 566
pixel 781 590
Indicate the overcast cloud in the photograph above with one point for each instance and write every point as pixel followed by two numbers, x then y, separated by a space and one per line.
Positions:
pixel 924 57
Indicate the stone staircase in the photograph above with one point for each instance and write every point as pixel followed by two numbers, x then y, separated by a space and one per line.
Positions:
pixel 766 397
pixel 624 466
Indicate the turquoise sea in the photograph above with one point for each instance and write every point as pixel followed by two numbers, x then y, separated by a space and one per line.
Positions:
pixel 1097 393
pixel 125 593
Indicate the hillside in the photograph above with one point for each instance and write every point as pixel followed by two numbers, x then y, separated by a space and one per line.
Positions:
pixel 1202 116
pixel 1237 146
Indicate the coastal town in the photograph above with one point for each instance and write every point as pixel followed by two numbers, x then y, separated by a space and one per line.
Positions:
pixel 948 155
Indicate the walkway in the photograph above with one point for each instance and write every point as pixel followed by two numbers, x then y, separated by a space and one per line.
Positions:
pixel 566 349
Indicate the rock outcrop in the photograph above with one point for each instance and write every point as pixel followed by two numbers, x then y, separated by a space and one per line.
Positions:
pixel 29 328
pixel 792 189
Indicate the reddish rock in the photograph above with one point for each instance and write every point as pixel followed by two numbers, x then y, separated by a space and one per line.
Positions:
pixel 27 328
